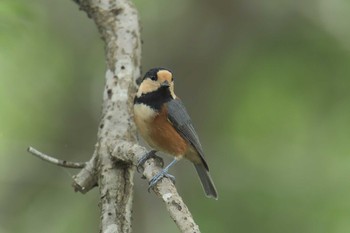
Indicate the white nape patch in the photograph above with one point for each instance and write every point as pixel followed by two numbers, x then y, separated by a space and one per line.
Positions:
pixel 167 196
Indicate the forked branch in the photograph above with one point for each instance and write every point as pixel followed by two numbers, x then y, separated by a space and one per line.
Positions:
pixel 112 165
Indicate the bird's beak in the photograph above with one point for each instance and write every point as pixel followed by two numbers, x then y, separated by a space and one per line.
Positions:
pixel 165 84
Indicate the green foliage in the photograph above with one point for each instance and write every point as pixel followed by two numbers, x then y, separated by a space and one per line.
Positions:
pixel 268 91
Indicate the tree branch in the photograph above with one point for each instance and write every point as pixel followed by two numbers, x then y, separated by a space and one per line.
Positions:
pixel 58 162
pixel 112 165
pixel 86 179
pixel 117 22
pixel 165 189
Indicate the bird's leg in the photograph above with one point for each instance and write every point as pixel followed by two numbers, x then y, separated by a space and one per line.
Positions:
pixel 148 155
pixel 161 174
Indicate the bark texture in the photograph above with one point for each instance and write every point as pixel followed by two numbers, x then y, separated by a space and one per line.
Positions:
pixel 117 22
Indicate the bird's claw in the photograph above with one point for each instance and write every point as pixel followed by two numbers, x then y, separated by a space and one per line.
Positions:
pixel 158 177
pixel 150 154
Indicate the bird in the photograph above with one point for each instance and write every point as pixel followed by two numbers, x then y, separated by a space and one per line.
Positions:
pixel 163 122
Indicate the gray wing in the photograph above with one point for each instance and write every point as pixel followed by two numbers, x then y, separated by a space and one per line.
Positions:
pixel 181 121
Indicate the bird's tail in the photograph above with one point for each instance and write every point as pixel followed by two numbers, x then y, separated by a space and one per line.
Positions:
pixel 207 182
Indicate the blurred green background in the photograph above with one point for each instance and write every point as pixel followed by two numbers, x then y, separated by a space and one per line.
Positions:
pixel 266 83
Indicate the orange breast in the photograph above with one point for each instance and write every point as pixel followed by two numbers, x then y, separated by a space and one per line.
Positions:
pixel 165 137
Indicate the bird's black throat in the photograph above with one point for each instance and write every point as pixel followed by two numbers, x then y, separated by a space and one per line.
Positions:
pixel 155 99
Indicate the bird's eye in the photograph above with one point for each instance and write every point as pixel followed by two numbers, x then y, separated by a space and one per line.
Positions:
pixel 154 77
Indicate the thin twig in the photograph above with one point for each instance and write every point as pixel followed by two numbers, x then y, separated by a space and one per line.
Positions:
pixel 58 162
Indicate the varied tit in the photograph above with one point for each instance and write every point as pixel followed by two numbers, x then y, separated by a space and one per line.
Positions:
pixel 165 125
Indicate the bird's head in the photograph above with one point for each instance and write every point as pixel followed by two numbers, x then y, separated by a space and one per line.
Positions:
pixel 157 79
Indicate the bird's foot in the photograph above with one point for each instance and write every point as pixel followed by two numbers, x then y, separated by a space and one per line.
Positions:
pixel 158 177
pixel 148 155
